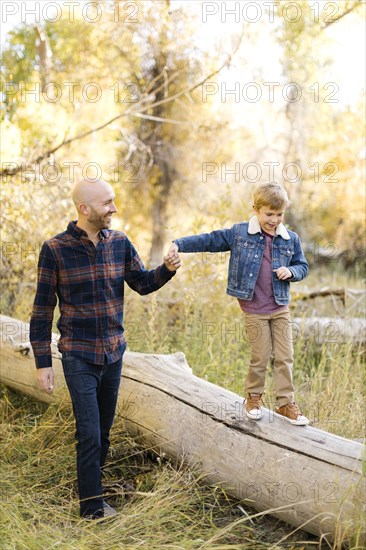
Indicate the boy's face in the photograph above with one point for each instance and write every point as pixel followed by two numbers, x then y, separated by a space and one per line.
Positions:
pixel 269 219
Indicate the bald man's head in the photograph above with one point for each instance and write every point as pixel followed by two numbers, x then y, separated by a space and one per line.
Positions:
pixel 94 202
pixel 87 192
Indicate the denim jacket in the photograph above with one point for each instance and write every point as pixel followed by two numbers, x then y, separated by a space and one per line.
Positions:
pixel 246 243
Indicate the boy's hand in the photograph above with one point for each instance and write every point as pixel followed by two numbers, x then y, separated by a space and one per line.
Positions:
pixel 173 251
pixel 283 273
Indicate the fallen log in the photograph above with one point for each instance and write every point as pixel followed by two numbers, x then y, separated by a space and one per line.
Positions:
pixel 323 292
pixel 349 298
pixel 302 475
pixel 330 330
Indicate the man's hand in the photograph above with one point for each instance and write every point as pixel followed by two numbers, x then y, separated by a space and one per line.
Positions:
pixel 283 273
pixel 172 263
pixel 45 379
pixel 172 259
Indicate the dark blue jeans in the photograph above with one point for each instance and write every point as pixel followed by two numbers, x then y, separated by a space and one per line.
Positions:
pixel 94 393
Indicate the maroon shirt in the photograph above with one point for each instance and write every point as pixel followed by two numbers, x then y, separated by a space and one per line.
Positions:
pixel 263 299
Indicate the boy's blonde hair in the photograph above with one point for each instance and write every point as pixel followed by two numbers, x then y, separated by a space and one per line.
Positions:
pixel 272 195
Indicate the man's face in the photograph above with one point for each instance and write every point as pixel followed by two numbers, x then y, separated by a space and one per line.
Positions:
pixel 101 209
pixel 269 219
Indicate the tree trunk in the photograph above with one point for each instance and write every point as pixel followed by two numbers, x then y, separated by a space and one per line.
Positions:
pixel 158 139
pixel 304 476
pixel 158 212
pixel 45 55
pixel 160 205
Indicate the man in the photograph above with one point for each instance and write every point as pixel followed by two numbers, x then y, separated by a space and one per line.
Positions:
pixel 85 267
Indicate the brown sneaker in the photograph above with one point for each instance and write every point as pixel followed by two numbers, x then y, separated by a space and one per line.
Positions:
pixel 292 414
pixel 252 406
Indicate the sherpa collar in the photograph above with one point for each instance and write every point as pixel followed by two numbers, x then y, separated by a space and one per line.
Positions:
pixel 254 227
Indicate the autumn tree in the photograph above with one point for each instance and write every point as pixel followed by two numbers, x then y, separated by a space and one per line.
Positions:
pixel 317 126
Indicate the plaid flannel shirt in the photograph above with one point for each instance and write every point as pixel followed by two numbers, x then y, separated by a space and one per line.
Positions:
pixel 88 281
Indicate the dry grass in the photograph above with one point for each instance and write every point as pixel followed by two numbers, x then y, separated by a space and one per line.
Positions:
pixel 168 507
pixel 163 508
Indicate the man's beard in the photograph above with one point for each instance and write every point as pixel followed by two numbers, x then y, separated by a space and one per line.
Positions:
pixel 98 220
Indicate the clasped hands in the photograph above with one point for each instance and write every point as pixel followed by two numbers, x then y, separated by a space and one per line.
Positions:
pixel 172 259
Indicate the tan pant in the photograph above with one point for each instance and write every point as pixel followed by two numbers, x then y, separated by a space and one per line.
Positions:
pixel 267 333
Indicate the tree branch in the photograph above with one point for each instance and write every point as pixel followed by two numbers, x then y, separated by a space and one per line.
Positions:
pixel 160 119
pixel 18 168
pixel 195 86
pixel 353 7
pixel 135 110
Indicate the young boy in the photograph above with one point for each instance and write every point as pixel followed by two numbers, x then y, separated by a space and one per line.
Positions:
pixel 265 258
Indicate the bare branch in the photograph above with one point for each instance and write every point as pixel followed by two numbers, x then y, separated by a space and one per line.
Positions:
pixel 13 171
pixel 195 86
pixel 352 8
pixel 136 110
pixel 167 81
pixel 160 119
